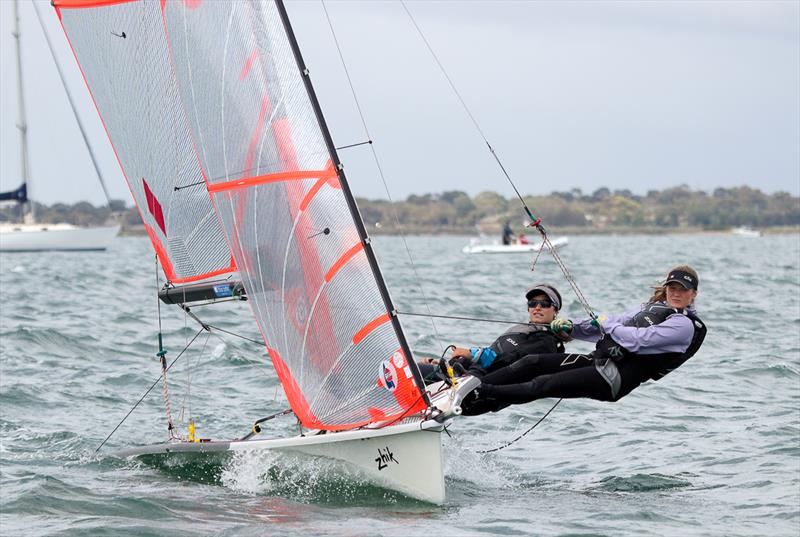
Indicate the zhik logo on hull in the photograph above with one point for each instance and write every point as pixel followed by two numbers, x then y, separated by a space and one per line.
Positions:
pixel 385 456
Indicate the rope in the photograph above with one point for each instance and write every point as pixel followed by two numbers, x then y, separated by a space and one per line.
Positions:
pixel 476 319
pixel 523 434
pixel 148 391
pixel 167 405
pixel 535 222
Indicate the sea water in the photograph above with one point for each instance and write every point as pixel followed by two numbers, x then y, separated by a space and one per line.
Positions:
pixel 712 449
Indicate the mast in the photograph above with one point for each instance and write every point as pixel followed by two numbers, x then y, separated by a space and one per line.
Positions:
pixel 72 104
pixel 22 125
pixel 351 203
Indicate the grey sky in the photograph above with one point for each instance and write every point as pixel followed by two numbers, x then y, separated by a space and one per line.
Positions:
pixel 636 95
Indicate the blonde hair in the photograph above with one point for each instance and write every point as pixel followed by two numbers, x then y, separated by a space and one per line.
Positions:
pixel 660 291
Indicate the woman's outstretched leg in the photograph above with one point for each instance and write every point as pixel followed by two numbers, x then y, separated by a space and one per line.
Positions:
pixel 570 384
pixel 534 365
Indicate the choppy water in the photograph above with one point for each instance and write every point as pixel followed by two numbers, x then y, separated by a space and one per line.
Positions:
pixel 713 449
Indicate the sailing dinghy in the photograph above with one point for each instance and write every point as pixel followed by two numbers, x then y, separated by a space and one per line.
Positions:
pixel 215 123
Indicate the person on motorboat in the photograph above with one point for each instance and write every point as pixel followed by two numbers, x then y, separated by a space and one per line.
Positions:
pixel 642 344
pixel 534 337
pixel 508 234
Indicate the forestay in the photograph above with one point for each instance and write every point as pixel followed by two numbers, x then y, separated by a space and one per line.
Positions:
pixel 210 92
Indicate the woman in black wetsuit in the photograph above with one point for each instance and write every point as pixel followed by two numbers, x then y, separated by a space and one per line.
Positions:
pixel 642 344
pixel 520 340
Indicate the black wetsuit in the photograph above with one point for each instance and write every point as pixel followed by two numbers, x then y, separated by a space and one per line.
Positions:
pixel 582 375
pixel 514 344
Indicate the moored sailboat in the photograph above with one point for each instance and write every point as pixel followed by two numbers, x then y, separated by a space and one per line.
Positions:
pixel 30 235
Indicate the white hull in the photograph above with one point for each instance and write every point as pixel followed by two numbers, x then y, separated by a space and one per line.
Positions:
pixel 745 232
pixel 512 248
pixel 406 457
pixel 40 237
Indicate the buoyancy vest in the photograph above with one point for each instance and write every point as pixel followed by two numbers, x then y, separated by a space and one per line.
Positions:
pixel 656 313
pixel 524 339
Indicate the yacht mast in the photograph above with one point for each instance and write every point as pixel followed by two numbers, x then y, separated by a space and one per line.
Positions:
pixel 22 125
pixel 72 104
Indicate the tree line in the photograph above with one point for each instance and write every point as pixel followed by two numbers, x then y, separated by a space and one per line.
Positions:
pixel 678 207
pixel 456 211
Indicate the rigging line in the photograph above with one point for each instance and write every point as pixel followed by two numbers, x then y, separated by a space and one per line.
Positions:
pixel 209 327
pixel 380 169
pixel 158 300
pixel 477 319
pixel 571 281
pixel 466 108
pixel 523 434
pixel 149 390
pixel 535 221
pixel 235 334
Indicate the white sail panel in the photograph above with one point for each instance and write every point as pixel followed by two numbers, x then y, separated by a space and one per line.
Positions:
pixel 226 73
pixel 302 261
pixel 122 51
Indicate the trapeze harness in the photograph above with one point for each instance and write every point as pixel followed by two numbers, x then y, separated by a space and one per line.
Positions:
pixel 612 359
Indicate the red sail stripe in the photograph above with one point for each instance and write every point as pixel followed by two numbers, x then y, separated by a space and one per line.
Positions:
pixel 321 353
pixel 248 64
pixel 369 327
pixel 161 253
pixel 154 207
pixel 293 392
pixel 251 150
pixel 342 260
pixel 169 270
pixel 246 182
pixel 80 4
pixel 330 178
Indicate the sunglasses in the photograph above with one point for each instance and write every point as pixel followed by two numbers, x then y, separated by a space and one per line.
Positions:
pixel 543 303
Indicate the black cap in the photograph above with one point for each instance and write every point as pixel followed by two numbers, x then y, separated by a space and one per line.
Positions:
pixel 682 277
pixel 549 290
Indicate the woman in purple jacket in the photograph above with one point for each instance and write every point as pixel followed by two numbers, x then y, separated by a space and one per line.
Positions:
pixel 639 345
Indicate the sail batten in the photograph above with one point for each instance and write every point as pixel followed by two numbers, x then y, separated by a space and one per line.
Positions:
pixel 226 102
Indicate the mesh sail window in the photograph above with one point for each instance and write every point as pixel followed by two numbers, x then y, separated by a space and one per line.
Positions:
pixel 123 54
pixel 263 156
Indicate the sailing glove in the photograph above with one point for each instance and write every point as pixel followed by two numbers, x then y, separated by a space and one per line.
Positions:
pixel 561 325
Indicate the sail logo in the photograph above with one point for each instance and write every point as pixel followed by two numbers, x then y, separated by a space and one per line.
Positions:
pixel 399 362
pixel 385 456
pixel 388 374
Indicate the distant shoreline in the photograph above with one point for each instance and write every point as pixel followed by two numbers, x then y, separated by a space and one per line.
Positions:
pixel 554 232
